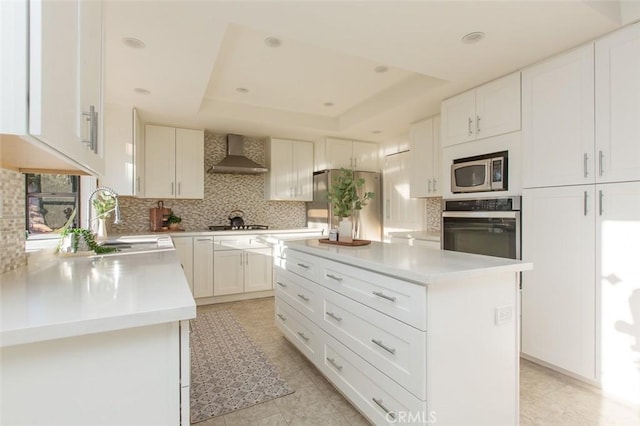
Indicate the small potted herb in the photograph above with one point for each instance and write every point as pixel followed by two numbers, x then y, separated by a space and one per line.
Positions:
pixel 174 221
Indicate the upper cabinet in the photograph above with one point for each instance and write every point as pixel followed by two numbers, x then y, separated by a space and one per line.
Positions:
pixel 340 153
pixel 488 110
pixel 174 162
pixel 617 94
pixel 558 120
pixel 290 175
pixel 425 158
pixel 52 92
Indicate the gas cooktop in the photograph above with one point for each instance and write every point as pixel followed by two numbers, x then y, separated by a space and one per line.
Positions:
pixel 237 228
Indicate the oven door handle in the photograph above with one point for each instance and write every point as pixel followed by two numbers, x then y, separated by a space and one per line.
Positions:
pixel 487 215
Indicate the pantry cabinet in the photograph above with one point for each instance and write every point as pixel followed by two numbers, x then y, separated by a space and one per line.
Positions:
pixel 488 110
pixel 174 162
pixel 290 175
pixel 340 153
pixel 425 158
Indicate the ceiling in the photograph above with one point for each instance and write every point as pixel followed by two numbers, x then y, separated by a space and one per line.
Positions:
pixel 321 81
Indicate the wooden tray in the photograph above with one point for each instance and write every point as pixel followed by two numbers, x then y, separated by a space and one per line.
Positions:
pixel 355 243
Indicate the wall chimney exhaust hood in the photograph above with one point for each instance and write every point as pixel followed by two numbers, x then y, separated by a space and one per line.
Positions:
pixel 235 161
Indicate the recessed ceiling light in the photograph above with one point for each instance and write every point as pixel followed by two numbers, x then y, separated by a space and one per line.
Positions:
pixel 328 104
pixel 375 132
pixel 273 42
pixel 142 91
pixel 133 43
pixel 381 69
pixel 473 37
pixel 242 90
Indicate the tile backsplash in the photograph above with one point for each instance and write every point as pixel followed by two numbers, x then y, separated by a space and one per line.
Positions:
pixel 12 220
pixel 222 194
pixel 433 208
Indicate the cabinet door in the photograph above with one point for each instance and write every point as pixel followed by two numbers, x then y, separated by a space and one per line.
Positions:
pixel 498 107
pixel 203 263
pixel 189 163
pixel 138 154
pixel 159 161
pixel 338 153
pixel 437 159
pixel 280 175
pixel 618 106
pixel 118 152
pixel 617 248
pixel 258 269
pixel 422 159
pixel 458 118
pixel 184 250
pixel 557 120
pixel 365 156
pixel 401 211
pixel 558 295
pixel 303 169
pixel 228 272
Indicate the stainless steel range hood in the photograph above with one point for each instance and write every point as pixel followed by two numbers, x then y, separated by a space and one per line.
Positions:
pixel 235 161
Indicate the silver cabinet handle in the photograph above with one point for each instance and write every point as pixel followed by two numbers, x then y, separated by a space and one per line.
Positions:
pixel 302 265
pixel 204 239
pixel 281 284
pixel 388 208
pixel 241 258
pixel 355 163
pixel 470 131
pixel 282 317
pixel 385 409
pixel 172 186
pixel 92 118
pixel 429 189
pixel 383 346
pixel 384 296
pixel 477 124
pixel 138 182
pixel 600 197
pixel 301 334
pixel 586 164
pixel 434 184
pixel 585 202
pixel 303 297
pixel 334 363
pixel 333 277
pixel 600 158
pixel 179 188
pixel 334 316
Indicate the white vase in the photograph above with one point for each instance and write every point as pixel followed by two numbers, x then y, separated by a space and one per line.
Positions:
pixel 102 230
pixel 345 230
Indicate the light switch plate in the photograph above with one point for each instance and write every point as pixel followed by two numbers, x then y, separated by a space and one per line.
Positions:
pixel 504 314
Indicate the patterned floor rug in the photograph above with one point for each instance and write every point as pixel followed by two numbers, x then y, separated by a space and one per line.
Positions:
pixel 228 370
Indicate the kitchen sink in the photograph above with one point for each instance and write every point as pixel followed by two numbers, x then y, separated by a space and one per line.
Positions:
pixel 136 245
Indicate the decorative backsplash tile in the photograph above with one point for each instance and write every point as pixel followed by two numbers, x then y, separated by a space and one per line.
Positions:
pixel 12 220
pixel 222 194
pixel 433 211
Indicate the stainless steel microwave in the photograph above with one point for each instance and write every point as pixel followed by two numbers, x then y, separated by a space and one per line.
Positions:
pixel 481 173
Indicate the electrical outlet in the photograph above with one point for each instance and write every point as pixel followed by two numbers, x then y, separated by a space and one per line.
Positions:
pixel 504 314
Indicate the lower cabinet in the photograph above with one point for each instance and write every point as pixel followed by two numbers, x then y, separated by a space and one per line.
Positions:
pixel 203 272
pixel 240 268
pixel 184 249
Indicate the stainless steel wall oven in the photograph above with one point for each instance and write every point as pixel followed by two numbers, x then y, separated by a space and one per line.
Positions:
pixel 482 226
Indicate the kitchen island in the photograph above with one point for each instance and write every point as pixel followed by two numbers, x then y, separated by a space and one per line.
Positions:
pixel 98 340
pixel 408 334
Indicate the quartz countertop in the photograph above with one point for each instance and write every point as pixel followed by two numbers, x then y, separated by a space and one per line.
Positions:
pixel 421 265
pixel 417 235
pixel 57 297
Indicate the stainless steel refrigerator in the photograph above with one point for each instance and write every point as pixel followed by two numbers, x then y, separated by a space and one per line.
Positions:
pixel 368 221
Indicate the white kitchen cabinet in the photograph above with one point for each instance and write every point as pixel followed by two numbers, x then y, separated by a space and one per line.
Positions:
pixel 124 150
pixel 203 272
pixel 425 158
pixel 184 249
pixel 228 272
pixel 290 175
pixel 52 79
pixel 617 73
pixel 174 162
pixel 340 153
pixel 558 120
pixel 401 212
pixel 559 294
pixel 488 110
pixel 258 269
pixel 241 265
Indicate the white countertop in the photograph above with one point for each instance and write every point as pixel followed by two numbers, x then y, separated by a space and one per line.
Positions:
pixel 197 233
pixel 58 297
pixel 421 265
pixel 417 235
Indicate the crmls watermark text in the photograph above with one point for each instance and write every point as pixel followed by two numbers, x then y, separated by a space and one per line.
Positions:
pixel 408 417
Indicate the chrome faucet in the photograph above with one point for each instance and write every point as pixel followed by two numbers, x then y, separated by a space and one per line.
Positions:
pixel 114 194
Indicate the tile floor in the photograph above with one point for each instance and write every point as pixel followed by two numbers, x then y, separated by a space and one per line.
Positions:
pixel 546 397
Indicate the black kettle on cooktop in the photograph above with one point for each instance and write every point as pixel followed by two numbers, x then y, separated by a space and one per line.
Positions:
pixel 235 218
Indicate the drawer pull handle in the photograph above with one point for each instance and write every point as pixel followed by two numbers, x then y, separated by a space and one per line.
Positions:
pixel 301 334
pixel 282 317
pixel 302 265
pixel 333 277
pixel 334 316
pixel 334 363
pixel 303 297
pixel 383 346
pixel 281 284
pixel 385 409
pixel 384 296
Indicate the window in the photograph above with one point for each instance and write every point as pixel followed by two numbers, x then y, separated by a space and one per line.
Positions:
pixel 51 201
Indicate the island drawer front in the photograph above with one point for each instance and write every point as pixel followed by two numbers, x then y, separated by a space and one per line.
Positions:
pixel 299 293
pixel 298 330
pixel 366 387
pixel 396 349
pixel 304 265
pixel 396 298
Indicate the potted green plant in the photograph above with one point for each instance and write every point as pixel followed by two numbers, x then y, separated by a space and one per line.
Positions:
pixel 103 204
pixel 346 197
pixel 174 221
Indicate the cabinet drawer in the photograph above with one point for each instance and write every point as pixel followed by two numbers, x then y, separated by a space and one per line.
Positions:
pixel 381 399
pixel 300 293
pixel 302 264
pixel 298 330
pixel 395 348
pixel 399 299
